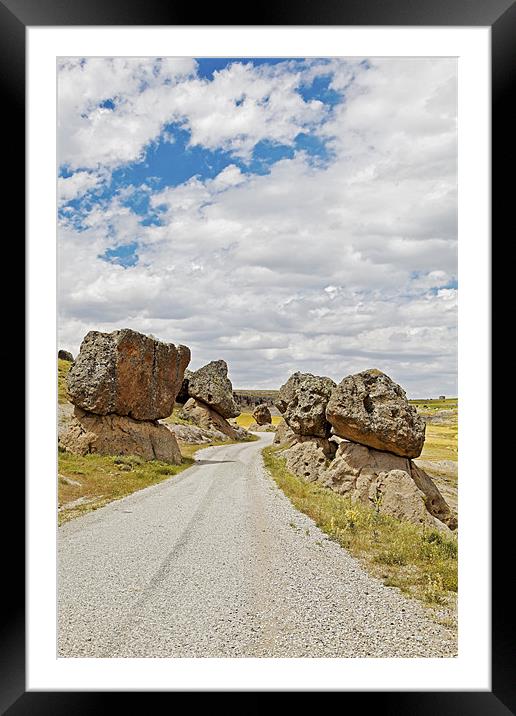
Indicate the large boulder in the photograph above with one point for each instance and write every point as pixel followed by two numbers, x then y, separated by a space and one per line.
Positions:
pixel 119 435
pixel 284 435
pixel 262 414
pixel 211 385
pixel 371 409
pixel 127 373
pixel 302 400
pixel 205 417
pixel 65 355
pixel 306 460
pixel 391 483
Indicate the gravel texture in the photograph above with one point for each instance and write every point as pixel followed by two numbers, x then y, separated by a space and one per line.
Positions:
pixel 217 563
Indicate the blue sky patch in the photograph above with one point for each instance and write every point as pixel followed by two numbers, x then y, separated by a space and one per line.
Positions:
pixel 124 255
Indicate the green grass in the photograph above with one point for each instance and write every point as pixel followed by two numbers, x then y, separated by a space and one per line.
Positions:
pixel 175 419
pixel 422 562
pixel 435 404
pixel 63 366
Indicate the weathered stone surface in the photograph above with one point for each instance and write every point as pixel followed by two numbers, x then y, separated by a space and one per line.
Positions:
pixel 205 417
pixel 65 355
pixel 306 460
pixel 194 434
pixel 284 435
pixel 262 414
pixel 328 447
pixel 302 400
pixel 371 409
pixel 211 385
pixel 393 484
pixel 119 435
pixel 266 428
pixel 127 373
pixel 183 396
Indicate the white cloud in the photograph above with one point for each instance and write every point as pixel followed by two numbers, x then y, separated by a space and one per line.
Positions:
pixel 330 269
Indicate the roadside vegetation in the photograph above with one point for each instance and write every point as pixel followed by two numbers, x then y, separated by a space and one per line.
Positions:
pixel 87 482
pixel 422 562
pixel 63 366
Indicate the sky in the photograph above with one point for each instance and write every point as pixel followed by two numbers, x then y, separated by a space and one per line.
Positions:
pixel 282 214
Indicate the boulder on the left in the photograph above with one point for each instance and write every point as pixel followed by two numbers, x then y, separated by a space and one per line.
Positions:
pixel 127 373
pixel 119 435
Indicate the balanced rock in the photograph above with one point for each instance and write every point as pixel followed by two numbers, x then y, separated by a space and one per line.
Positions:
pixel 119 435
pixel 302 400
pixel 391 483
pixel 65 355
pixel 211 385
pixel 127 373
pixel 371 409
pixel 206 417
pixel 262 414
pixel 306 460
pixel 284 435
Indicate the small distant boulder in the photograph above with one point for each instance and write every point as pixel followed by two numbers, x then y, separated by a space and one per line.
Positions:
pixel 65 355
pixel 302 400
pixel 127 373
pixel 211 385
pixel 371 409
pixel 262 414
pixel 119 435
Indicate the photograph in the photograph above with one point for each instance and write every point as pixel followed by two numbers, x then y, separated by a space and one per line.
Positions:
pixel 257 357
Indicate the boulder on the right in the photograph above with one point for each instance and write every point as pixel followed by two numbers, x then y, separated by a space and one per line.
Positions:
pixel 392 484
pixel 371 409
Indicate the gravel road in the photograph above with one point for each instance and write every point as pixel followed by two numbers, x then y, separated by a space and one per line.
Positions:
pixel 216 562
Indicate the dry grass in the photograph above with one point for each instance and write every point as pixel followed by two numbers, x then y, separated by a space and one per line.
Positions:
pixel 63 366
pixel 245 419
pixel 422 562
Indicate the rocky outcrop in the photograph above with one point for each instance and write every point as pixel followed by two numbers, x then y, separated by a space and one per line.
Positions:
pixel 211 385
pixel 65 355
pixel 128 374
pixel 302 400
pixel 371 409
pixel 206 417
pixel 193 434
pixel 262 414
pixel 284 435
pixel 266 428
pixel 392 484
pixel 306 460
pixel 119 435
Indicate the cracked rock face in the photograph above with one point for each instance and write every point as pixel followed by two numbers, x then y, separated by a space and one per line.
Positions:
pixel 211 385
pixel 119 435
pixel 371 409
pixel 127 373
pixel 302 400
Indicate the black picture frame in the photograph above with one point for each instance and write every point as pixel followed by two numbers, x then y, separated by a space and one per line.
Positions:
pixel 500 16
